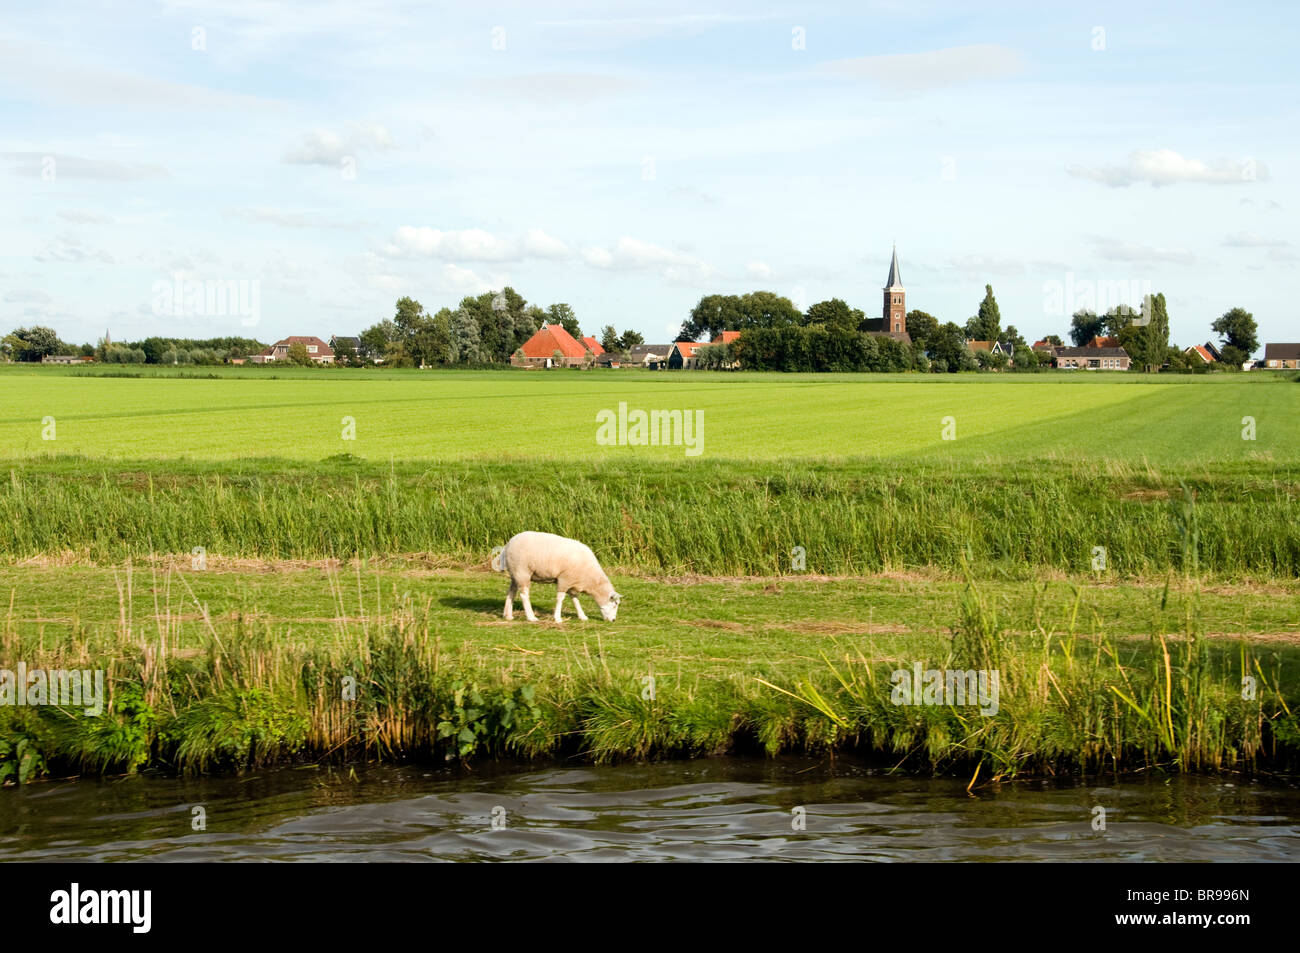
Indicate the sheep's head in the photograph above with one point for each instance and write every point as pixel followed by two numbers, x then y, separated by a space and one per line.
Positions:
pixel 609 610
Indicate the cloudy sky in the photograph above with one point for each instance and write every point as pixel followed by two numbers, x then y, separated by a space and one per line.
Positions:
pixel 629 158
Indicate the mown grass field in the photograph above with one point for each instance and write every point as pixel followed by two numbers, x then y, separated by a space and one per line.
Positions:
pixel 297 414
pixel 977 551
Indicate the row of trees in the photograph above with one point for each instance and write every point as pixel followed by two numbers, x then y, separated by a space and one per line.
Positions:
pixel 35 343
pixel 482 329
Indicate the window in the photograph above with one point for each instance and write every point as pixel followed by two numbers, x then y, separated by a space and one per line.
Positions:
pixel 311 348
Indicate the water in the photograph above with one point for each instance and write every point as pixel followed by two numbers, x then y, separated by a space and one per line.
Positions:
pixel 715 809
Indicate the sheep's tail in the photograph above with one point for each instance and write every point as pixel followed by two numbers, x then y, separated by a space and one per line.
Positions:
pixel 499 559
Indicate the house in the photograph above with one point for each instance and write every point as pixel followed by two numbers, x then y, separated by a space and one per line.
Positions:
pixel 726 337
pixel 1214 351
pixel 683 356
pixel 1108 341
pixel 1200 353
pixel 62 359
pixel 652 356
pixel 1045 346
pixel 593 345
pixel 1281 355
pixel 1092 358
pixel 341 341
pixel 609 359
pixel 540 349
pixel 317 350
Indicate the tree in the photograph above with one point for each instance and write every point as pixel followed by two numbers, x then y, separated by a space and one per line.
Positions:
pixel 465 341
pixel 298 354
pixel 609 339
pixel 629 340
pixel 376 339
pixel 563 315
pixel 34 343
pixel 409 317
pixel 948 349
pixel 344 353
pixel 1238 331
pixel 833 313
pixel 987 324
pixel 757 309
pixel 557 358
pixel 1084 326
pixel 921 327
pixel 1054 339
pixel 1147 343
pixel 1013 337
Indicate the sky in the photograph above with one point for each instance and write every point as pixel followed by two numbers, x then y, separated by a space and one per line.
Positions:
pixel 302 166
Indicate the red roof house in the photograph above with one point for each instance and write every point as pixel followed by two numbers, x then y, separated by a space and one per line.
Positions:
pixel 539 350
pixel 593 345
pixel 1197 351
pixel 317 350
pixel 726 337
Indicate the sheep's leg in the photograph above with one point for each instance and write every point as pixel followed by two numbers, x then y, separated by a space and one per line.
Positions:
pixel 528 606
pixel 559 604
pixel 582 616
pixel 510 601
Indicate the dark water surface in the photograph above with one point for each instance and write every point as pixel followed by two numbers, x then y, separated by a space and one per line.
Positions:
pixel 718 809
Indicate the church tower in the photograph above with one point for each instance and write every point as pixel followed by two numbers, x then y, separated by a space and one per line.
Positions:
pixel 894 316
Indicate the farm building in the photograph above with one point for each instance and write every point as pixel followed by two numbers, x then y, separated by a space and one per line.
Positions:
pixel 593 345
pixel 1092 358
pixel 551 346
pixel 652 356
pixel 317 350
pixel 1200 353
pixel 682 356
pixel 1282 355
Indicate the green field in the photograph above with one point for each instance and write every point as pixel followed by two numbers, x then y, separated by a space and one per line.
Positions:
pixel 419 416
pixel 327 557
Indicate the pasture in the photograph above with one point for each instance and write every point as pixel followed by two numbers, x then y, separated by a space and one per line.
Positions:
pixel 230 543
pixel 299 414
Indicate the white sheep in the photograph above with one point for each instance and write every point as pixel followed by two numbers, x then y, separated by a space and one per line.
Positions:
pixel 544 557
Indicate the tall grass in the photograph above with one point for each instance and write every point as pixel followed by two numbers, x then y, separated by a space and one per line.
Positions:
pixel 713 519
pixel 385 686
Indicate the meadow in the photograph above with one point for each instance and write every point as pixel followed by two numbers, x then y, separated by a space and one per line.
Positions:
pixel 232 414
pixel 216 542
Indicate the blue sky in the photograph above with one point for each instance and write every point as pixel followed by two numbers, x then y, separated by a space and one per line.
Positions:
pixel 629 158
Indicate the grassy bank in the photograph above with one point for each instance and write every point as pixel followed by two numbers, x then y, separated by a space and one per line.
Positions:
pixel 713 518
pixel 230 668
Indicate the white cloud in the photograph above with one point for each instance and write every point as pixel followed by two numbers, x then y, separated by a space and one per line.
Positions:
pixel 1253 240
pixel 67 248
pixel 27 295
pixel 327 147
pixel 552 87
pixel 932 69
pixel 473 244
pixel 983 265
pixel 759 270
pixel 1167 167
pixel 287 218
pixel 1111 249
pixel 56 166
pixel 80 216
pixel 632 254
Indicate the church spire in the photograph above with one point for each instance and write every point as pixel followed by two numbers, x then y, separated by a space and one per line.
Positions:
pixel 895 280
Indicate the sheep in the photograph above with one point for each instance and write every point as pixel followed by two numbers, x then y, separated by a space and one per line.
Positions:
pixel 544 557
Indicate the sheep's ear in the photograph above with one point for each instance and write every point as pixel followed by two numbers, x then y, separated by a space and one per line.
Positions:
pixel 617 598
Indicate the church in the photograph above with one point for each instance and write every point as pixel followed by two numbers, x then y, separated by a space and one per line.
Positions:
pixel 893 315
